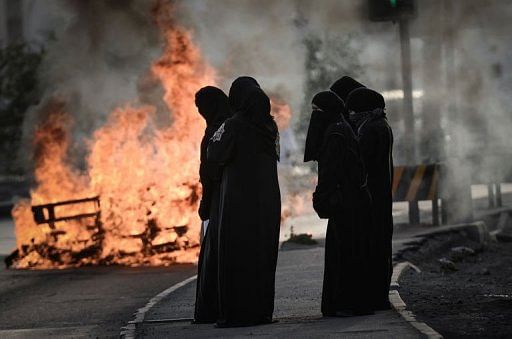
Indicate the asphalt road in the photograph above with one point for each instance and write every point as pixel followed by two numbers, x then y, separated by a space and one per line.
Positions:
pixel 87 302
pixel 96 301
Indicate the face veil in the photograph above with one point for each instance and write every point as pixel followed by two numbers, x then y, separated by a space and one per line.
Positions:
pixel 327 109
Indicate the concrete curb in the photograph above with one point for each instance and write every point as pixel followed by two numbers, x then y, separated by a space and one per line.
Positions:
pixel 130 330
pixel 400 306
pixel 476 231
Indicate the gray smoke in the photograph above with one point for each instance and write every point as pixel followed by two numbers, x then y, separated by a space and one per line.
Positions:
pixel 96 55
pixel 100 56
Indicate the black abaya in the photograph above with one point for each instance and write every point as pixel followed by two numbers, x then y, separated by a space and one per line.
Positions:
pixel 249 213
pixel 376 143
pixel 213 105
pixel 341 196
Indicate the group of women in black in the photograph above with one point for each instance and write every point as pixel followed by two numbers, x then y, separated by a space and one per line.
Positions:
pixel 350 139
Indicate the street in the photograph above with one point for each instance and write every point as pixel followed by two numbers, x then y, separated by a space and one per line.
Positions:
pixel 98 301
pixel 86 302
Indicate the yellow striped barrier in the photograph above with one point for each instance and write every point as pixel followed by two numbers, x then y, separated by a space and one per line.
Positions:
pixel 417 183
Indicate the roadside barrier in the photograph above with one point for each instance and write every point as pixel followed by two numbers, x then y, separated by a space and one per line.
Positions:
pixel 417 183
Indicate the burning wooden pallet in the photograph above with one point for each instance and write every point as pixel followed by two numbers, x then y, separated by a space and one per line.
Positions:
pixel 46 214
pixel 86 212
pixel 62 248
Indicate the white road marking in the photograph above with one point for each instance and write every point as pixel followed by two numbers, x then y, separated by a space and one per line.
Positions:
pixel 129 331
pixel 400 306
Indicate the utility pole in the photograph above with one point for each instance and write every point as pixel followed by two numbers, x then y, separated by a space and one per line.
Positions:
pixel 408 110
pixel 401 11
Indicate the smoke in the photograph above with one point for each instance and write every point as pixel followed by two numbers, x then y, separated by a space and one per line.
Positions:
pixel 250 38
pixel 265 39
pixel 480 131
pixel 99 59
pixel 100 51
pixel 96 61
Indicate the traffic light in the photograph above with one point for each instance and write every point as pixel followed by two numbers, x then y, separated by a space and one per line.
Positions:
pixel 391 10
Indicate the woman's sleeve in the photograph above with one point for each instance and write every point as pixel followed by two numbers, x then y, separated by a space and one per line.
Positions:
pixel 222 145
pixel 327 196
pixel 205 175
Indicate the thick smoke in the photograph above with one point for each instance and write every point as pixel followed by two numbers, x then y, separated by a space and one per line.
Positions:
pixel 99 58
pixel 97 61
pixel 266 38
pixel 253 38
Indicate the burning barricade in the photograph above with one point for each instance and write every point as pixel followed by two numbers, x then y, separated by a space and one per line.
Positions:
pixel 129 195
pixel 142 175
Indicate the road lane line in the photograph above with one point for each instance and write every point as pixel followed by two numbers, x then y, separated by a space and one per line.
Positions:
pixel 129 331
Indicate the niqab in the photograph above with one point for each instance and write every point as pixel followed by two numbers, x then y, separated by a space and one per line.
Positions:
pixel 327 109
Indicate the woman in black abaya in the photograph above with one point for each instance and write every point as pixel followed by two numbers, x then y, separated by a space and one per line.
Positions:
pixel 250 207
pixel 376 142
pixel 340 196
pixel 213 105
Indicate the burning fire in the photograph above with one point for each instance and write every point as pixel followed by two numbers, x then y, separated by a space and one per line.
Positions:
pixel 281 111
pixel 146 177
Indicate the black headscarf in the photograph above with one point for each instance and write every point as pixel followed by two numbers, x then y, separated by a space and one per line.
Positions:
pixel 256 109
pixel 239 90
pixel 343 86
pixel 365 104
pixel 212 104
pixel 364 100
pixel 327 109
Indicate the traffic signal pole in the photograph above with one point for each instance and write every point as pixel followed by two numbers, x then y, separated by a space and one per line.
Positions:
pixel 405 47
pixel 402 11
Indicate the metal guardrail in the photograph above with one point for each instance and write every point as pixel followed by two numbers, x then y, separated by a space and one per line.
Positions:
pixel 492 170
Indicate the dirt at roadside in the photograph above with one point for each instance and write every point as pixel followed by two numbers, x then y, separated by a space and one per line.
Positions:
pixel 474 300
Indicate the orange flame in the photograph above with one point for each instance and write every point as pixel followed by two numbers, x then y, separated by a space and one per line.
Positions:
pixel 146 177
pixel 281 111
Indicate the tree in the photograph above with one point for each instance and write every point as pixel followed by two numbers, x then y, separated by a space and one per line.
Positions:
pixel 328 58
pixel 18 91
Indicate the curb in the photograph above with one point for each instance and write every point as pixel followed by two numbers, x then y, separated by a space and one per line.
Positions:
pixel 130 330
pixel 476 231
pixel 400 306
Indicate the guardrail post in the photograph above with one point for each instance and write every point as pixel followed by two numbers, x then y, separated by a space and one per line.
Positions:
pixel 444 212
pixel 435 212
pixel 499 201
pixel 414 213
pixel 456 191
pixel 490 195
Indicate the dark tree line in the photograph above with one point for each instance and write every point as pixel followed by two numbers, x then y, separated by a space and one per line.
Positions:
pixel 328 57
pixel 18 90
